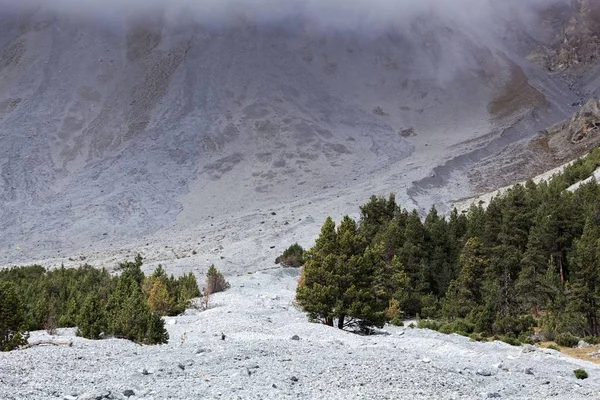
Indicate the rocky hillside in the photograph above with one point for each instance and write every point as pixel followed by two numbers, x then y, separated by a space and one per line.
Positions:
pixel 113 128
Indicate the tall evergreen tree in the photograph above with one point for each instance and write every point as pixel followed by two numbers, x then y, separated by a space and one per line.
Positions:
pixel 584 294
pixel 11 319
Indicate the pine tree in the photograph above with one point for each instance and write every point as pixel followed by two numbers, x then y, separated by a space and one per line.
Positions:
pixel 159 299
pixel 155 332
pixel 465 293
pixel 585 288
pixel 215 282
pixel 531 286
pixel 91 321
pixel 11 319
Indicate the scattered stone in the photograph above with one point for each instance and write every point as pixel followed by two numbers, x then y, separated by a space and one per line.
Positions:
pixel 145 372
pixel 200 351
pixel 128 393
pixel 528 371
pixel 492 395
pixel 583 345
pixel 426 360
pixel 95 395
pixel 295 337
pixel 294 379
pixel 274 386
pixel 172 322
pixel 400 333
pixel 528 348
pixel 483 372
pixel 595 354
pixel 223 336
pixel 181 366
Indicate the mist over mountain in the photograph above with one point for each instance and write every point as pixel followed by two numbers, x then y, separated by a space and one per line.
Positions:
pixel 123 119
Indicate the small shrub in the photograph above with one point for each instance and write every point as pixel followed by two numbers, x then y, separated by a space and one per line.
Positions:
pixel 510 340
pixel 516 325
pixel 526 338
pixel 566 340
pixel 592 340
pixel 580 374
pixel 412 325
pixel 429 324
pixel 397 322
pixel 553 347
pixel 215 282
pixel 393 310
pixel 293 256
pixel 477 337
pixel 460 327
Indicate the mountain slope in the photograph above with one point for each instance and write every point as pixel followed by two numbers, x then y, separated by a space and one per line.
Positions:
pixel 112 129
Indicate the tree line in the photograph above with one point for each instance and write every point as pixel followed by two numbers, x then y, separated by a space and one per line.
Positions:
pixel 531 257
pixel 128 305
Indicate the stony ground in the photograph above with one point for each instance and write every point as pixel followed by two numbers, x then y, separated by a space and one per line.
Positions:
pixel 270 351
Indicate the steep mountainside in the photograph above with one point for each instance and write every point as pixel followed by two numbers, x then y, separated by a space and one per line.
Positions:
pixel 114 128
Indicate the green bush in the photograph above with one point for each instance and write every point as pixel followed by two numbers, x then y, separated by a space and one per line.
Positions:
pixel 525 337
pixel 477 337
pixel 592 340
pixel 553 347
pixel 510 340
pixel 429 324
pixel 566 340
pixel 515 325
pixel 580 374
pixel 293 256
pixel 11 318
pixel 460 327
pixel 397 322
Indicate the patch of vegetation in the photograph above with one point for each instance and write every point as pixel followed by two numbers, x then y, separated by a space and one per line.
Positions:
pixel 528 260
pixel 594 340
pixel 293 256
pixel 566 340
pixel 553 347
pixel 580 374
pixel 429 324
pixel 11 318
pixel 215 282
pixel 513 341
pixel 128 305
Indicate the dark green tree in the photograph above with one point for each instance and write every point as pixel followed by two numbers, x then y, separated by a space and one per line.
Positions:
pixel 584 296
pixel 91 321
pixel 11 319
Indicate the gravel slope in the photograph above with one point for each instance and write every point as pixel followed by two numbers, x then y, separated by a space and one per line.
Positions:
pixel 259 360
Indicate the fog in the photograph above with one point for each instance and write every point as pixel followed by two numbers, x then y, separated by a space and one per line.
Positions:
pixel 356 15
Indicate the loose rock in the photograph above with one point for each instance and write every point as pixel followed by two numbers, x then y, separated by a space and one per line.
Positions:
pixel 483 372
pixel 528 348
pixel 528 371
pixel 295 337
pixel 128 393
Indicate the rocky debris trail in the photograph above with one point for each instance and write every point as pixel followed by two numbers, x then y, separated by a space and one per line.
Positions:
pixel 272 352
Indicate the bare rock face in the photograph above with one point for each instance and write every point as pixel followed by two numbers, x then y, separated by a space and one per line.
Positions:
pixel 580 37
pixel 583 126
pixel 573 30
